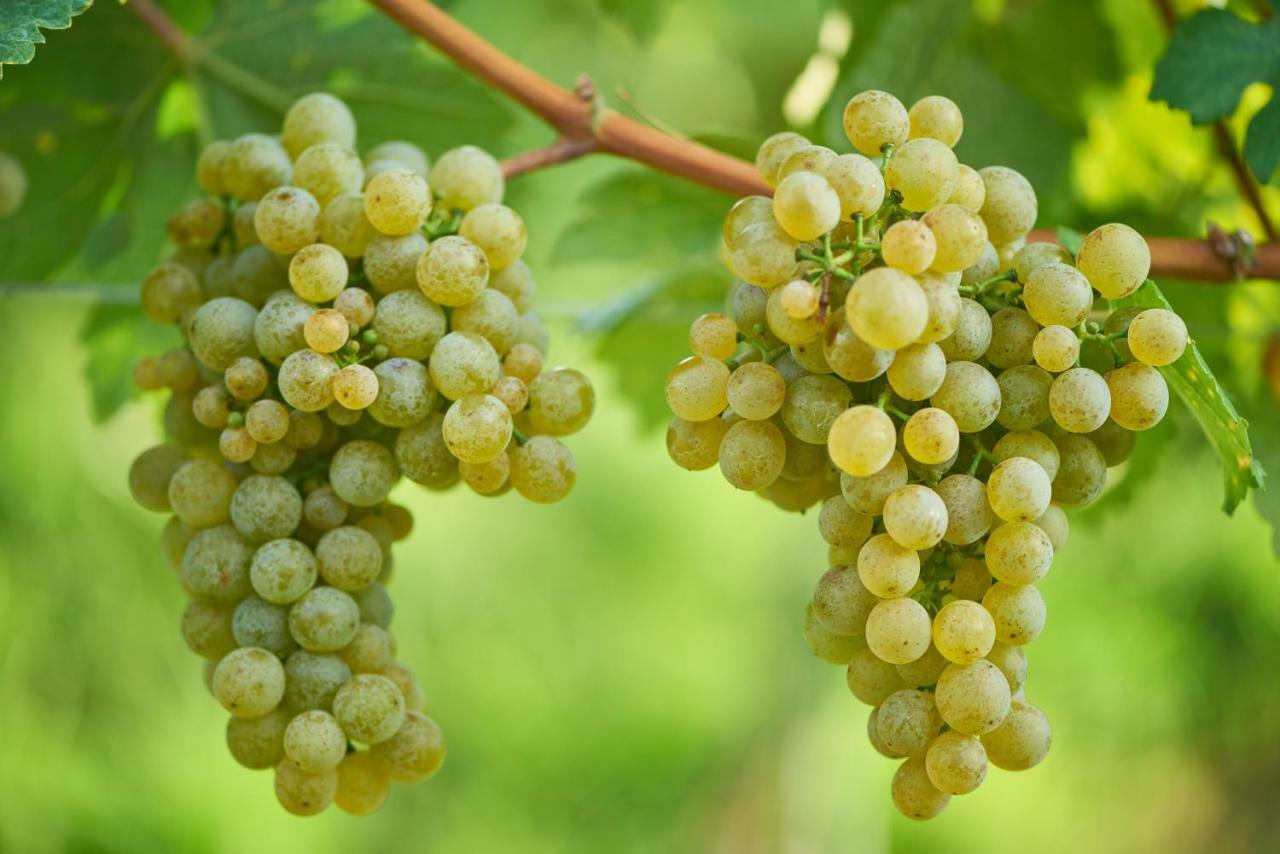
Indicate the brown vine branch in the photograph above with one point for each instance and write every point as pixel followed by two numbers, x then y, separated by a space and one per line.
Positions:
pixel 561 151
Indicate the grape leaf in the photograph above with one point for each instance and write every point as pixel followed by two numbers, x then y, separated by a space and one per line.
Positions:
pixel 22 20
pixel 1192 380
pixel 1213 55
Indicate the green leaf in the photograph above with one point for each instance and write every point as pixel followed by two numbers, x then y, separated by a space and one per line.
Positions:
pixel 1262 143
pixel 114 336
pixel 22 20
pixel 1197 387
pixel 1070 239
pixel 1268 501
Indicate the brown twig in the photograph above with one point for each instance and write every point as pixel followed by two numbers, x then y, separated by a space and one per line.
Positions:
pixel 561 151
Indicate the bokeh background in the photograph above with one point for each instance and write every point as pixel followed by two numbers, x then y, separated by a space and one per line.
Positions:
pixel 624 671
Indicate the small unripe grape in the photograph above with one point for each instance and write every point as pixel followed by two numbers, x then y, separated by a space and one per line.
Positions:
pixel 861 440
pixel 909 246
pixel 924 171
pixel 873 119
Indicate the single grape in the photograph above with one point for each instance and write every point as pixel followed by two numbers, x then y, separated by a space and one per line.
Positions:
pixel 909 246
pixel 695 445
pixel 1079 400
pixel 467 177
pixel 1009 208
pixel 314 118
pixel 249 682
pixel 363 785
pixel 871 680
pixel 409 325
pixel 867 494
pixel 1018 611
pixel 697 388
pixel 362 473
pixel 306 380
pixel 764 255
pixel 907 721
pixel 887 308
pixel 1022 741
pixel 937 118
pixel 1139 396
pixel 887 569
pixel 543 470
pixel 805 205
pixel 1157 337
pixel 1115 259
pixel 915 517
pixel 304 793
pixel 477 428
pixel 898 630
pixel 970 191
pixel 971 336
pixel 858 184
pixel 924 172
pixel 287 219
pixel 917 371
pixel 861 440
pixel 751 454
pixel 1024 397
pixel 258 743
pixel 826 644
pixel 848 355
pixel 913 793
pixel 453 271
pixel 397 201
pixel 970 395
pixel 973 698
pixel 873 119
pixel 841 525
pixel 1013 335
pixel 969 514
pixel 1057 294
pixel 959 234
pixel 956 763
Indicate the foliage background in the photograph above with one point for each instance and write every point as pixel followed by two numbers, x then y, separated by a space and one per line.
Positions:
pixel 624 671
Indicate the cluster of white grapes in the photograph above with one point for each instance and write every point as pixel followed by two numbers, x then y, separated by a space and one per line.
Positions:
pixel 345 323
pixel 898 353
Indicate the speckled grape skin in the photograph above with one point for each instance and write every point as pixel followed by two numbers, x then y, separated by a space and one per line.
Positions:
pixel 1080 400
pixel 924 171
pixel 764 255
pixel 973 698
pixel 1009 208
pixel 266 508
pixel 326 170
pixel 931 436
pixel 467 177
pixel 409 324
pixel 312 680
pixel 963 631
pixel 282 571
pixel 925 670
pixel 960 235
pixel 206 627
pixel 314 741
pixel 857 182
pixel 258 743
pixel 304 793
pixel 369 651
pixel 287 219
pixel 956 763
pixel 221 331
pixel 453 271
pixel 216 564
pixel 397 201
pixel 278 328
pixel 913 794
pixel 344 226
pixel 315 118
pixel 970 395
pixel 898 630
pixel 306 379
pixel 348 558
pixel 422 454
pixel 477 428
pixel 168 292
pixel 1019 612
pixel 1115 259
pixel 907 721
pixel 1019 489
pixel 543 470
pixel 1157 337
pixel 492 315
pixel 1019 553
pixel 873 118
pixel 841 525
pixel 369 708
pixel 464 363
pixel 1024 397
pixel 1082 470
pixel 249 682
pixel 826 644
pixel 840 601
pixel 915 517
pixel 752 454
pixel 1013 335
pixel 1139 396
pixel 254 164
pixel 867 494
pixel 886 568
pixel 324 620
pixel 318 272
pixel 415 752
pixel 695 445
pixel 362 472
pixel 969 516
pixel 560 402
pixel 405 393
pixel 870 679
pixel 498 231
pixel 1022 741
pixel 971 336
pixel 259 623
pixel 391 262
pixel 1057 294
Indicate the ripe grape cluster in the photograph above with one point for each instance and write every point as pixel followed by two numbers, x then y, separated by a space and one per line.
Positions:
pixel 346 322
pixel 898 353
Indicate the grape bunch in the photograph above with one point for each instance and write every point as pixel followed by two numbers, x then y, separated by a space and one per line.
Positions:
pixel 346 323
pixel 898 353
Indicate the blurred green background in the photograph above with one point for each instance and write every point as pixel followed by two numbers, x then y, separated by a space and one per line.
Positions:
pixel 623 671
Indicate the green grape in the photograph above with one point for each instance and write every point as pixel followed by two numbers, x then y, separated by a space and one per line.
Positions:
pixel 805 205
pixel 477 428
pixel 453 271
pixel 1157 337
pixel 909 246
pixel 259 623
pixel 242 224
pixel 773 151
pixel 867 494
pixel 348 558
pixel 1012 662
pixel 560 402
pixel 168 292
pixel 219 278
pixel 873 119
pixel 406 154
pixel 970 193
pixel 1033 256
pixel 245 378
pixel 391 262
pixel 907 721
pixel 363 785
pixel 1115 442
pixel 344 226
pixel 175 536
pixel 1013 335
pixel 369 708
pixel 871 680
pixel 280 328
pixel 752 454
pixel 267 421
pixel 809 356
pixel 841 525
pixel 799 300
pixel 306 380
pixel 325 619
pixel 287 219
pixel 362 473
pixel 517 283
pixel 1024 397
pixel 915 517
pixel 200 493
pixel 1056 348
pixel 917 371
pixel 327 170
pixel 423 456
pixel 369 651
pixel 898 630
pixel 405 393
pixel 968 512
pixel 1115 259
pixel 257 273
pixel 375 605
pixel 397 201
pixel 1079 400
pixel 355 387
pixel 841 603
pixel 826 644
pixel 970 395
pixel 467 177
pixel 206 627
pixel 886 568
pixel 1056 294
pixel 464 363
pixel 1009 207
pixel 211 167
pixel 861 440
pixel 972 334
pixel 356 305
pixel 415 752
pixel 887 308
pixel 936 117
pixel 925 670
pixel 764 255
pixel 1139 396
pixel 1054 523
pixel 695 445
pixel 255 164
pixel 848 355
pixel 326 330
pixel 1031 444
pixel 756 391
pixel 258 743
pixel 697 388
pixel 513 393
pixel 491 315
pixel 153 470
pixel 543 470
pixel 1022 741
pixel 249 682
pixel 198 225
pixel 1019 553
pixel 959 234
pixel 304 793
pixel 858 184
pixel 924 172
pixel 1082 471
pixel 809 158
pixel 179 370
pixel 973 698
pixel 314 118
pixel 746 211
pixel 788 329
pixel 1019 489
pixel 313 680
pixel 409 325
pixel 956 763
pixel 488 478
pixel 318 273
pixel 265 508
pixel 283 570
pixel 913 794
pixel 972 580
pixel 314 741
pixel 1018 610
pixel 236 445
pixel 222 330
